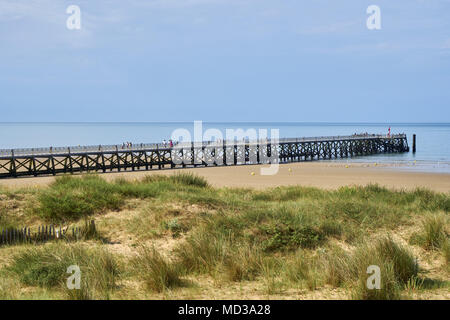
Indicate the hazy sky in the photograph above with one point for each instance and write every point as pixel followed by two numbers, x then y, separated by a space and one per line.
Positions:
pixel 225 60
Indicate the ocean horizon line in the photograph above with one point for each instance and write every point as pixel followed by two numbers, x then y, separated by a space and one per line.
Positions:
pixel 228 122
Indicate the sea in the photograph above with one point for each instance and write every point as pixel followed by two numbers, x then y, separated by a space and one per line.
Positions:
pixel 432 155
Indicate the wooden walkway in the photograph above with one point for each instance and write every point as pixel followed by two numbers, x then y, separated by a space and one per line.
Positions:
pixel 52 161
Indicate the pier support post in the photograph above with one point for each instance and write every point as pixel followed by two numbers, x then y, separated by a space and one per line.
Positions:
pixel 414 143
pixel 12 169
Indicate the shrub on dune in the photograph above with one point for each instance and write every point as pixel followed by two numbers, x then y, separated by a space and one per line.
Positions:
pixel 157 272
pixel 396 264
pixel 433 234
pixel 46 266
pixel 74 198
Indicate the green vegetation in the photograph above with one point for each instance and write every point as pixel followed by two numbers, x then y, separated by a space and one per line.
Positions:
pixel 12 204
pixel 176 230
pixel 446 252
pixel 157 273
pixel 433 234
pixel 201 252
pixel 70 198
pixel 397 268
pixel 46 266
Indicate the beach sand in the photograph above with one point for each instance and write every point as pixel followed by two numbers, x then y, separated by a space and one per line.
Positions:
pixel 322 174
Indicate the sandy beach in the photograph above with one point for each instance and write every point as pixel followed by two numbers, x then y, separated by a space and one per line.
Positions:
pixel 323 174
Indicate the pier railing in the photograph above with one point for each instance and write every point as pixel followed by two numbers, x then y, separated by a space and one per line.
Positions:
pixel 145 146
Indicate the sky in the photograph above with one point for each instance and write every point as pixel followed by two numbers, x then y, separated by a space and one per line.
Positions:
pixel 225 60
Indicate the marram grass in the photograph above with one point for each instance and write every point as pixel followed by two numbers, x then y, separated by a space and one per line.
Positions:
pixel 278 241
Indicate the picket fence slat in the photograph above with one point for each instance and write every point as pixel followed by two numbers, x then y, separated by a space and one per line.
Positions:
pixel 43 233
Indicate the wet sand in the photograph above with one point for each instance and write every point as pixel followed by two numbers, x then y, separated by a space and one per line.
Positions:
pixel 328 175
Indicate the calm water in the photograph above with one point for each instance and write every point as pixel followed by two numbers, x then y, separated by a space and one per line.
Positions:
pixel 433 151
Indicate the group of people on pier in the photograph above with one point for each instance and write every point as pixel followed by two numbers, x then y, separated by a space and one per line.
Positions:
pixel 127 145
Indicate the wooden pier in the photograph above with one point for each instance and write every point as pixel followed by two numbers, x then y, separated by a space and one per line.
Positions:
pixel 52 161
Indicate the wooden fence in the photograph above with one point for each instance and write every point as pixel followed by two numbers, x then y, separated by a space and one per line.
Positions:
pixel 45 233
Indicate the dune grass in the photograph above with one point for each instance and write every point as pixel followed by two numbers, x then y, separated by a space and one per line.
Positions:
pixel 304 270
pixel 434 234
pixel 46 266
pixel 281 238
pixel 397 268
pixel 340 268
pixel 156 271
pixel 202 252
pixel 72 198
pixel 446 253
